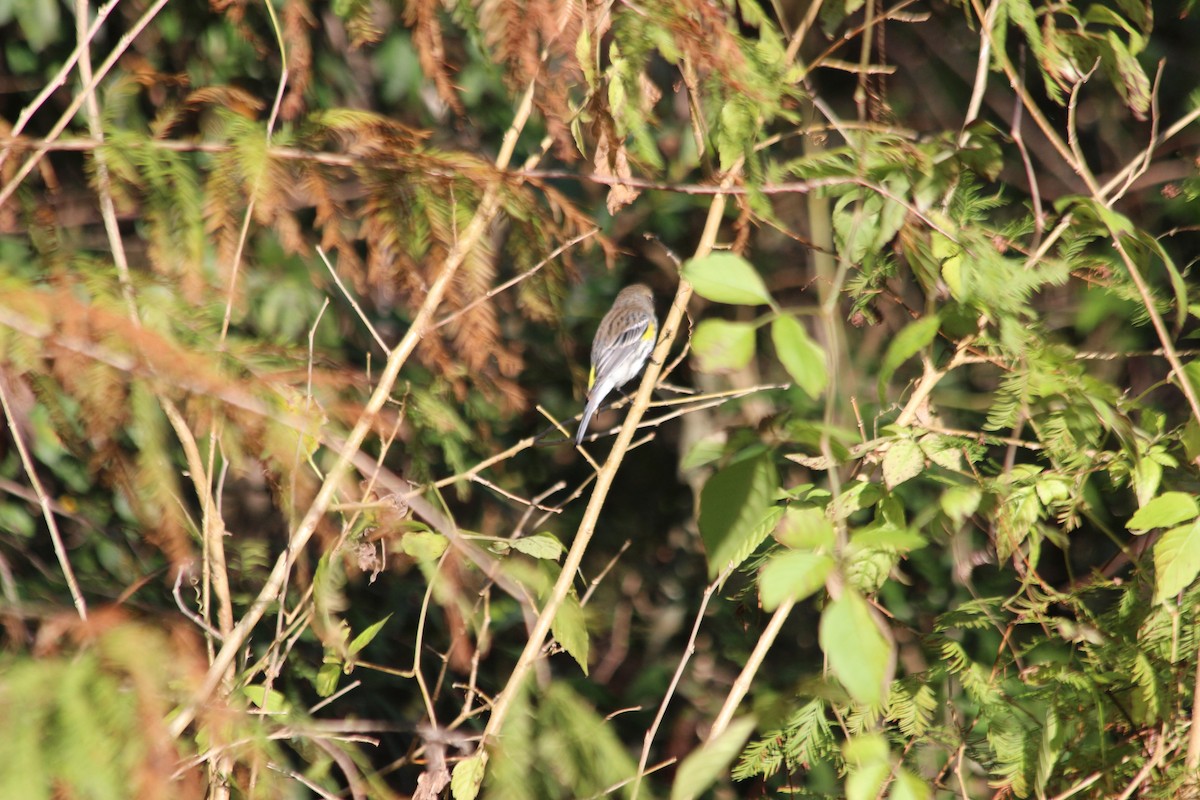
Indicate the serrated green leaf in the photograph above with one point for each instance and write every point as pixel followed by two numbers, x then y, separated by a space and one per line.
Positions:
pixel 540 545
pixel 736 510
pixel 710 761
pixel 364 638
pixel 722 346
pixel 801 356
pixel 903 461
pixel 794 574
pixel 855 497
pixel 726 278
pixel 468 776
pixel 915 337
pixel 860 656
pixel 1176 560
pixel 944 451
pixel 569 629
pixel 1169 508
pixel 805 529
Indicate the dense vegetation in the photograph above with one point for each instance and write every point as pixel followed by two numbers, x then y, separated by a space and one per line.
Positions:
pixel 296 304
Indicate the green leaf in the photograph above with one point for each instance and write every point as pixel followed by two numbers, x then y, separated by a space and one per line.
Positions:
pixel 866 748
pixel 1176 560
pixel 855 497
pixel 1169 508
pixel 945 451
pixel 805 529
pixel 569 629
pixel 737 511
pixel 860 656
pixel 726 278
pixel 722 346
pixel 801 356
pixel 865 782
pixel 271 701
pixel 869 759
pixel 540 545
pixel 794 574
pixel 904 460
pixel 1131 80
pixel 889 537
pixel 328 677
pixel 468 775
pixel 960 502
pixel 915 337
pixel 424 545
pixel 704 451
pixel 364 638
pixel 735 131
pixel 908 786
pixel 711 760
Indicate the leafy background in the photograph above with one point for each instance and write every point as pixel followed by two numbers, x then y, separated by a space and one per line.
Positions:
pixel 295 309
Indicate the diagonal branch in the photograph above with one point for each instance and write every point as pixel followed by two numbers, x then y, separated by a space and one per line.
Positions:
pixel 608 472
pixel 488 208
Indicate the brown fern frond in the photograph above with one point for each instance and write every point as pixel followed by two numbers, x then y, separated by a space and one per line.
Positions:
pixel 223 199
pixel 535 40
pixel 422 17
pixel 298 23
pixel 332 219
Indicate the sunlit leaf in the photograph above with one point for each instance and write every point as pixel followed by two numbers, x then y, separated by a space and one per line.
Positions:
pixel 468 775
pixel 569 629
pixel 794 575
pixel 364 638
pixel 710 761
pixel 904 460
pixel 726 278
pixel 914 338
pixel 540 545
pixel 1176 560
pixel 801 356
pixel 860 656
pixel 1169 508
pixel 719 345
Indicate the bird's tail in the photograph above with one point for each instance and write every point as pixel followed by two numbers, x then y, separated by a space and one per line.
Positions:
pixel 595 398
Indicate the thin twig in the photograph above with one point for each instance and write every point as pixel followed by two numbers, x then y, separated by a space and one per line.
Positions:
pixel 741 685
pixel 60 550
pixel 515 498
pixel 353 303
pixel 1193 750
pixel 488 207
pixel 490 293
pixel 73 107
pixel 688 651
pixel 187 612
pixel 60 77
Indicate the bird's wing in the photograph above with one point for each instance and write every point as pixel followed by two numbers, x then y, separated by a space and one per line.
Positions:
pixel 628 339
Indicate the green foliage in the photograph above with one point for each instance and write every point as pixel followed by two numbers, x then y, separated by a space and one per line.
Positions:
pixel 954 499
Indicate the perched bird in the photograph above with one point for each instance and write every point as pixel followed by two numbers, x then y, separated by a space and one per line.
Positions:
pixel 623 343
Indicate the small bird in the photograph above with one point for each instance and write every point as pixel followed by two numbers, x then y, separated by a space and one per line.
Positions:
pixel 623 343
